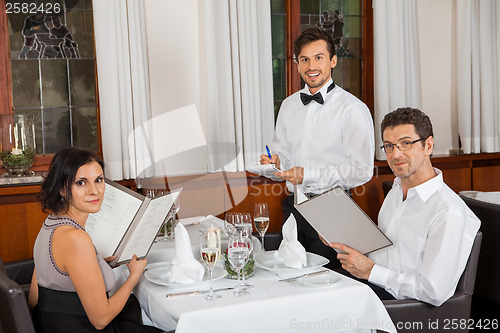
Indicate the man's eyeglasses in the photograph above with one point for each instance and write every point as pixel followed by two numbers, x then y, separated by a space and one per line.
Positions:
pixel 402 145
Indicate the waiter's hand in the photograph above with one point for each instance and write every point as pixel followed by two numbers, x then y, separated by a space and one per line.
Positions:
pixel 354 262
pixel 275 159
pixel 294 175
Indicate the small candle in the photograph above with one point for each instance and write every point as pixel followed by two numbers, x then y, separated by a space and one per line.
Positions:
pixel 17 151
pixel 211 238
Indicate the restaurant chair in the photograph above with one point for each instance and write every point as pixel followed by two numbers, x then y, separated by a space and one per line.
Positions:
pixel 15 316
pixel 407 314
pixel 488 269
pixel 386 187
pixel 21 272
pixel 272 240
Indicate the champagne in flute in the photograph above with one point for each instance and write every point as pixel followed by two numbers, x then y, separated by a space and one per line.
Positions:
pixel 261 220
pixel 209 256
pixel 261 224
pixel 209 250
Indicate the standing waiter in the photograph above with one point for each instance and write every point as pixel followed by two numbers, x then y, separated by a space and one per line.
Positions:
pixel 324 135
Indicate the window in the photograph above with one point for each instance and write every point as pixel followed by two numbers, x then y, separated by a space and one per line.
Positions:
pixel 53 71
pixel 349 22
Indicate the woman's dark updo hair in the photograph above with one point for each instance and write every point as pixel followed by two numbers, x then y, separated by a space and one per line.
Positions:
pixel 62 173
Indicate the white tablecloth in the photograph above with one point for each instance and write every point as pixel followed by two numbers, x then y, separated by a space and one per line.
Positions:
pixel 271 306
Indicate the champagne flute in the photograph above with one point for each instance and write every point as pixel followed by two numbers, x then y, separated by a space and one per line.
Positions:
pixel 209 249
pixel 261 220
pixel 238 251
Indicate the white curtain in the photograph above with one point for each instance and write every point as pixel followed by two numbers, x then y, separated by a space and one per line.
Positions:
pixel 478 75
pixel 237 82
pixel 396 60
pixel 122 68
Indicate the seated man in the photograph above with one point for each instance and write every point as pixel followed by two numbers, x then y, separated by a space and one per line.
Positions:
pixel 431 227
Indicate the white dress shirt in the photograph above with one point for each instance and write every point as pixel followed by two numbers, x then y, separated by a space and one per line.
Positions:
pixel 433 231
pixel 334 142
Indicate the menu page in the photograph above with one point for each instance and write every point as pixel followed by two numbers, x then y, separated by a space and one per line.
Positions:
pixel 108 226
pixel 145 232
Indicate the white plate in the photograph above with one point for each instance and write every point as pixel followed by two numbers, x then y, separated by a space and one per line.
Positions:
pixel 160 273
pixel 322 279
pixel 271 261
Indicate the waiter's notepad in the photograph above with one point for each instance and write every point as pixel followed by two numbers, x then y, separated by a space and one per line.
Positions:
pixel 338 219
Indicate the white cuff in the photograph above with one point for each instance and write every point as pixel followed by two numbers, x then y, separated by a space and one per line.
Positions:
pixel 379 275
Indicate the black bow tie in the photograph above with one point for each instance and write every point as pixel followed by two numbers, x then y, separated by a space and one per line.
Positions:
pixel 306 99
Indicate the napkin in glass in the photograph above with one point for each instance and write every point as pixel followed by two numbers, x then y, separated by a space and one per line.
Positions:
pixel 185 268
pixel 293 253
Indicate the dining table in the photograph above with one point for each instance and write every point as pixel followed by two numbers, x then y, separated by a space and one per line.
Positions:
pixel 345 305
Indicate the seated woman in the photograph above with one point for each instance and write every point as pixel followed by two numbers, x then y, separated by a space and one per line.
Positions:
pixel 70 282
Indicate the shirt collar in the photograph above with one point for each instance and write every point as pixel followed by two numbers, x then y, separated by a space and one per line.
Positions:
pixel 323 89
pixel 427 189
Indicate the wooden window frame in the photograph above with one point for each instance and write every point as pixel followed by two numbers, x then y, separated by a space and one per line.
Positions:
pixel 41 162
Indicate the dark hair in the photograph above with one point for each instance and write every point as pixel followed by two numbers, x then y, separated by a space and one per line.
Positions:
pixel 311 35
pixel 62 173
pixel 412 116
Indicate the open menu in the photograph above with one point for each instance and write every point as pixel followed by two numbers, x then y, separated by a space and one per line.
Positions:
pixel 128 222
pixel 338 219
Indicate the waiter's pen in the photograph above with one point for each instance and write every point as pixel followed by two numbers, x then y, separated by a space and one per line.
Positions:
pixel 268 152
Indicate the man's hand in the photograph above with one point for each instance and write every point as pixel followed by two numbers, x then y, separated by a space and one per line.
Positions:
pixel 275 159
pixel 354 262
pixel 294 175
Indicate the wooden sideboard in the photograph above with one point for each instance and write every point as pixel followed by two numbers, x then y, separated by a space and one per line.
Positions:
pixel 216 193
pixel 479 172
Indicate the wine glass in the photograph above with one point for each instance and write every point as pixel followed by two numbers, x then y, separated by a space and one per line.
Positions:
pixel 167 229
pixel 246 229
pixel 238 252
pixel 209 249
pixel 261 220
pixel 229 223
pixel 171 220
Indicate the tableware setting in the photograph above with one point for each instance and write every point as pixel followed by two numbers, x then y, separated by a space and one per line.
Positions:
pixel 318 279
pixel 294 278
pixel 273 261
pixel 195 292
pixel 161 273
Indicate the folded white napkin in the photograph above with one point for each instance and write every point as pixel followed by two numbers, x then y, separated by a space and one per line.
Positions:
pixel 185 268
pixel 191 220
pixel 293 253
pixel 212 222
